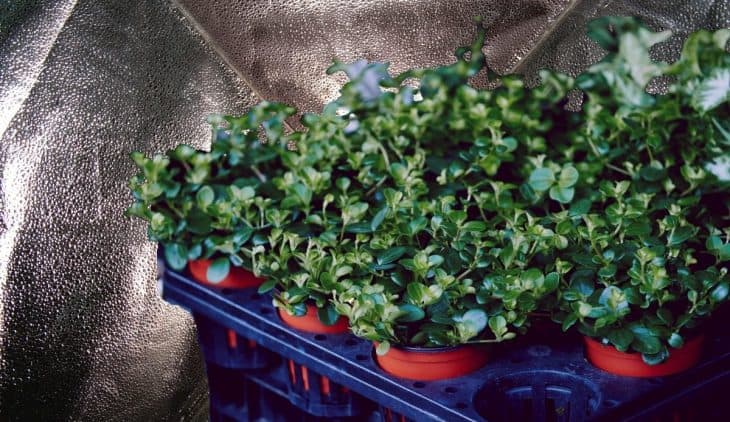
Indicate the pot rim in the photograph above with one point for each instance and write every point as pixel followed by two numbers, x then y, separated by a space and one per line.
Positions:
pixel 597 341
pixel 438 349
pixel 211 259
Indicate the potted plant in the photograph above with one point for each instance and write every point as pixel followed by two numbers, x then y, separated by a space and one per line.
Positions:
pixel 648 225
pixel 206 208
pixel 332 182
pixel 308 263
pixel 452 266
pixel 319 252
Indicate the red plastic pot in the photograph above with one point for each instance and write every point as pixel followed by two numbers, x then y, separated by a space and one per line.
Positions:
pixel 310 322
pixel 631 365
pixel 430 364
pixel 237 278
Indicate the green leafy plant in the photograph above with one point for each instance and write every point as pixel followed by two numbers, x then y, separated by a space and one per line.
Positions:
pixel 441 278
pixel 445 255
pixel 648 219
pixel 436 214
pixel 211 204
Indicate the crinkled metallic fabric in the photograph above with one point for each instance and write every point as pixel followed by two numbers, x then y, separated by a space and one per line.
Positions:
pixel 283 47
pixel 83 335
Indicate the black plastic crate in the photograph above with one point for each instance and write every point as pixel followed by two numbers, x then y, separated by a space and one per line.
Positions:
pixel 540 377
pixel 224 347
pixel 318 395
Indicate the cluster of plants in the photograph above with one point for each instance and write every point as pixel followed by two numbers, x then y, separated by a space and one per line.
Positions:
pixel 213 204
pixel 649 228
pixel 437 214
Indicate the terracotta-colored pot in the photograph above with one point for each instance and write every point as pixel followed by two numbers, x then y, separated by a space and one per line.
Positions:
pixel 429 364
pixel 310 322
pixel 631 365
pixel 237 278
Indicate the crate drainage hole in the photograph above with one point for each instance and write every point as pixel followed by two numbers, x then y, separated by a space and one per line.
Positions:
pixel 419 384
pixel 450 390
pixel 265 311
pixel 320 337
pixel 361 357
pixel 350 342
pixel 539 395
pixel 461 405
pixel 226 291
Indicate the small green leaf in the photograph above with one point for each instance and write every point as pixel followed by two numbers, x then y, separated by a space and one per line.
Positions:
pixel 474 226
pixel 654 172
pixel 356 211
pixel 584 309
pixel 435 260
pixel 713 243
pixel 676 341
pixel 644 341
pixel 477 318
pixel 562 195
pixel 580 207
pixel 416 225
pixel 304 194
pixel 621 338
pixel 343 184
pixel 532 278
pixel 720 292
pixel 378 218
pixel 498 325
pixel 679 235
pixel 382 348
pixel 638 229
pixel 195 251
pixel 205 196
pixel 399 172
pixel 361 227
pixel 568 177
pixel 655 358
pixel 218 270
pixel 582 281
pixel 713 90
pixel 608 271
pixel 327 314
pixel 551 282
pixel 314 219
pixel 198 221
pixel 410 313
pixel 267 286
pixel 391 255
pixel 416 292
pixel 176 256
pixel 541 179
pixel 692 296
pixel 569 321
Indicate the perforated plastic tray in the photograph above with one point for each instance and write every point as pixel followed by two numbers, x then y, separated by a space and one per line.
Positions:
pixel 541 377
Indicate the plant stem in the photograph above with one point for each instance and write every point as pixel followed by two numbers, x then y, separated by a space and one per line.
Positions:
pixel 376 186
pixel 342 231
pixel 618 169
pixel 464 274
pixel 385 156
pixel 261 176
